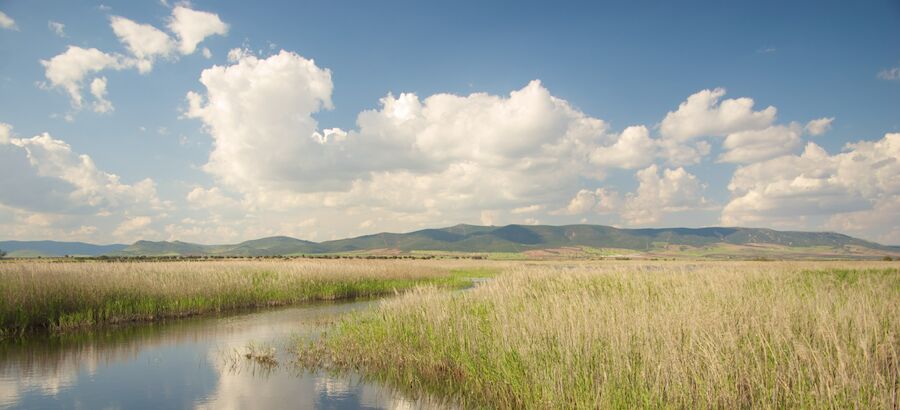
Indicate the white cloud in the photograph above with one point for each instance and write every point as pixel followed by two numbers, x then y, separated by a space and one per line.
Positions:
pixel 683 153
pixel 261 108
pixel 143 41
pixel 890 74
pixel 260 115
pixel 413 161
pixel 57 28
pixel 757 145
pixel 7 22
pixel 206 53
pixel 879 223
pixel 98 90
pixel 69 69
pixel 599 201
pixel 527 209
pixel 236 54
pixel 787 191
pixel 676 190
pixel 132 226
pixel 5 133
pixel 212 198
pixel 633 149
pixel 703 114
pixel 819 126
pixel 43 174
pixel 193 26
pixel 47 190
pixel 446 157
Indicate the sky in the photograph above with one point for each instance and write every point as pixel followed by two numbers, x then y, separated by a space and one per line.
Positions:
pixel 222 121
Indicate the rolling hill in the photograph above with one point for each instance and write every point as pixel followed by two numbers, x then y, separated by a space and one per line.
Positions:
pixel 521 239
pixel 26 249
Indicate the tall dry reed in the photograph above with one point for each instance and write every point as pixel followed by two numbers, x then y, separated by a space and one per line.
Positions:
pixel 650 335
pixel 62 295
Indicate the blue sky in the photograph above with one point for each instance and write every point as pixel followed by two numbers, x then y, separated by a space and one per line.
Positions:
pixel 560 152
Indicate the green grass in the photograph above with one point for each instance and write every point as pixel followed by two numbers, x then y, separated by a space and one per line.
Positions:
pixel 639 335
pixel 59 296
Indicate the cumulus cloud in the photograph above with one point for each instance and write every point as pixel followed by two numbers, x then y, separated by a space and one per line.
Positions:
pixel 600 200
pixel 68 70
pixel 98 90
pixel 819 126
pixel 849 187
pixel 7 22
pixel 211 198
pixel 193 26
pixel 44 174
pixel 262 108
pixel 477 157
pixel 143 41
pixel 47 190
pixel 674 191
pixel 145 45
pixel 750 136
pixel 57 28
pixel 756 145
pixel 260 113
pixel 706 114
pixel 5 133
pixel 633 149
pixel 879 223
pixel 415 161
pixel 131 226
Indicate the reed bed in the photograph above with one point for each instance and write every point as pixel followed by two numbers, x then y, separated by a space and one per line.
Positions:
pixel 64 295
pixel 639 335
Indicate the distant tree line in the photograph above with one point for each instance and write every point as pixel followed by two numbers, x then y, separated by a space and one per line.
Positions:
pixel 145 258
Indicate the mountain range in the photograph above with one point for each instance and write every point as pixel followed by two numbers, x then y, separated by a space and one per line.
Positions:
pixel 529 240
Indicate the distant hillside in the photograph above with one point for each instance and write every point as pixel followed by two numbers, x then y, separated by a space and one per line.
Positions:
pixel 519 238
pixel 26 249
pixel 276 245
pixel 592 239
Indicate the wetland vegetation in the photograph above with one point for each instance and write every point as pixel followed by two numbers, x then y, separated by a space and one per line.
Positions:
pixel 650 335
pixel 538 334
pixel 61 295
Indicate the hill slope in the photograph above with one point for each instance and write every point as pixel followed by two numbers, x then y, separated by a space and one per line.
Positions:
pixel 276 245
pixel 54 248
pixel 744 242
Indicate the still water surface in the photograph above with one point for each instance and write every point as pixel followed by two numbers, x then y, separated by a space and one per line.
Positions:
pixel 189 363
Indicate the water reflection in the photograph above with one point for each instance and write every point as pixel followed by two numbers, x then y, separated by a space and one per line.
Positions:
pixel 184 364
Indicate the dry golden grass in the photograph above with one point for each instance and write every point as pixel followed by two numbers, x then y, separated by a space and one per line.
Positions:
pixel 641 334
pixel 61 295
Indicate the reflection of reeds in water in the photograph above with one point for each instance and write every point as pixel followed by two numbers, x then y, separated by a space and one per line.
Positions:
pixel 255 359
pixel 264 355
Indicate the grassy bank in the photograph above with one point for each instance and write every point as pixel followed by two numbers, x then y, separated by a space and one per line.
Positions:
pixel 651 335
pixel 65 295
